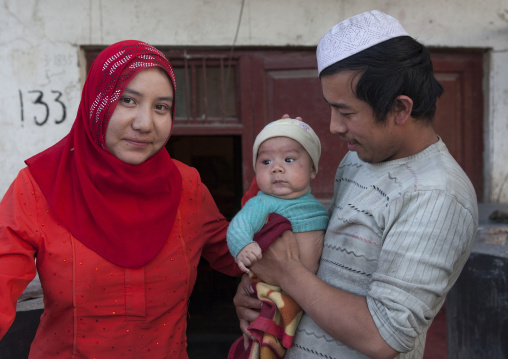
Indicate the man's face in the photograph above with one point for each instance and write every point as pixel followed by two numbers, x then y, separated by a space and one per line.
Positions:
pixel 354 121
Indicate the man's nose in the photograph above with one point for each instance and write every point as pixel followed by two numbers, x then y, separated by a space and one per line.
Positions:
pixel 337 125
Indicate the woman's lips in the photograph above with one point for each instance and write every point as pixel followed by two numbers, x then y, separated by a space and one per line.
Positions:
pixel 137 143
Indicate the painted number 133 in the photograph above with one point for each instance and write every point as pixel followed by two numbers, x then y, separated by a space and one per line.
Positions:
pixel 39 99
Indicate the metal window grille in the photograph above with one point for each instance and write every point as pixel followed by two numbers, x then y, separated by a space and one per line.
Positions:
pixel 206 90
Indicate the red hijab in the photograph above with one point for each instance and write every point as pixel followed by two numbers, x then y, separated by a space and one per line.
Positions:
pixel 122 212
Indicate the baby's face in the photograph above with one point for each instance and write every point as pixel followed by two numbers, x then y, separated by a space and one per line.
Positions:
pixel 284 169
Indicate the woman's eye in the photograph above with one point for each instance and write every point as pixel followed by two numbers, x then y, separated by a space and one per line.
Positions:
pixel 127 100
pixel 162 107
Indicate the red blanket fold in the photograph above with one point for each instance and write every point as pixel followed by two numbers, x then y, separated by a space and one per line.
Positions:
pixel 276 325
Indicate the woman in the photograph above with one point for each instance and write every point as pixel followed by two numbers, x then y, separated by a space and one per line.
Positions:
pixel 116 225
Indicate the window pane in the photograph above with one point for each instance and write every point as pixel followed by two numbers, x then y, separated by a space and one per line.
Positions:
pixel 206 94
pixel 219 99
pixel 182 94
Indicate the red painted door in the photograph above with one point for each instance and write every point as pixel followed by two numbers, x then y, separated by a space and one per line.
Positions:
pixel 289 84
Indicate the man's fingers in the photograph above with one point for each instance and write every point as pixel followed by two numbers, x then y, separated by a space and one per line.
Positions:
pixel 245 341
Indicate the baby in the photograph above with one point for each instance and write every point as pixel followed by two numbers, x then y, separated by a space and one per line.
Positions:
pixel 285 157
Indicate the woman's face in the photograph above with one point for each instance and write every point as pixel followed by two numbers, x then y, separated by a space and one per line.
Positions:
pixel 141 122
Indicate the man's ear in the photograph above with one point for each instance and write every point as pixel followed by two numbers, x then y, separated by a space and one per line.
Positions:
pixel 402 109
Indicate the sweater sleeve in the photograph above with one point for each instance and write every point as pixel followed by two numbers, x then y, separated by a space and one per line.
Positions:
pixel 249 220
pixel 427 240
pixel 19 236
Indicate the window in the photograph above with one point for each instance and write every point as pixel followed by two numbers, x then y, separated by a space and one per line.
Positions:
pixel 206 90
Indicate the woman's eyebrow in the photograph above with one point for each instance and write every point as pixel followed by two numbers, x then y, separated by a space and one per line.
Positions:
pixel 139 94
pixel 132 92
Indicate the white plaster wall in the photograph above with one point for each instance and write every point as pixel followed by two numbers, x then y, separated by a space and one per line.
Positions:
pixel 40 50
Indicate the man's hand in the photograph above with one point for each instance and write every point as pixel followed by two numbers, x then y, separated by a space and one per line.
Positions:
pixel 247 307
pixel 287 116
pixel 278 260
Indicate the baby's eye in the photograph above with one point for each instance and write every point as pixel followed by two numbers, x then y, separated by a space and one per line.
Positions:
pixel 289 159
pixel 266 162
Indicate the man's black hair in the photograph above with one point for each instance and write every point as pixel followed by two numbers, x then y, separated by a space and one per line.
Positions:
pixel 398 66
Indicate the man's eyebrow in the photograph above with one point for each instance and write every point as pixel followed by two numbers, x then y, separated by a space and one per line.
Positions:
pixel 337 105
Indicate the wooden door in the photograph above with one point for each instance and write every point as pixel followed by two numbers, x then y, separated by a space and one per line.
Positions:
pixel 290 85
pixel 459 113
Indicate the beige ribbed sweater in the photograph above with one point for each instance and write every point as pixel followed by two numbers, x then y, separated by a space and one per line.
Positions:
pixel 399 234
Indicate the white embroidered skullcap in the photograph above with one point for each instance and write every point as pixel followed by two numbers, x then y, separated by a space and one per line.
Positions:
pixel 294 129
pixel 356 34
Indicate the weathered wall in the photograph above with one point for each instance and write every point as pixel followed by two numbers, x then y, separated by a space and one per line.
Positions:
pixel 477 305
pixel 41 40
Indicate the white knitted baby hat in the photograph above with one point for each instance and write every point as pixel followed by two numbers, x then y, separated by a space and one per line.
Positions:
pixel 294 129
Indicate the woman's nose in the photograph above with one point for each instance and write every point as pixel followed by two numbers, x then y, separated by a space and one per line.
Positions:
pixel 143 121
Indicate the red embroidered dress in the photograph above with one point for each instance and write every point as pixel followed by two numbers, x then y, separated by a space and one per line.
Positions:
pixel 94 308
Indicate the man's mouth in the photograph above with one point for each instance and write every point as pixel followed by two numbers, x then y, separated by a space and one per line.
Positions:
pixel 352 145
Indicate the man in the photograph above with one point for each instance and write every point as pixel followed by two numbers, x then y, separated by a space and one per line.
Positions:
pixel 404 214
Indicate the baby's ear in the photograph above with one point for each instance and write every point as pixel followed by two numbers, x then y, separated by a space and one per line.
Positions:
pixel 313 173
